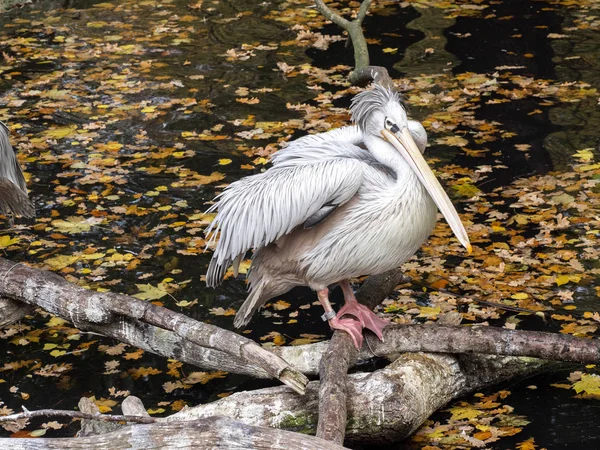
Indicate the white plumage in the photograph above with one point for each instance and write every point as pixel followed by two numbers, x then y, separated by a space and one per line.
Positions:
pixel 333 206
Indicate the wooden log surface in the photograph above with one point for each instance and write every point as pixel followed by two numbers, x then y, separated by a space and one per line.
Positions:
pixel 383 406
pixel 208 433
pixel 99 310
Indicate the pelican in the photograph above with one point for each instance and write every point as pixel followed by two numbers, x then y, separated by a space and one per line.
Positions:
pixel 359 200
pixel 13 190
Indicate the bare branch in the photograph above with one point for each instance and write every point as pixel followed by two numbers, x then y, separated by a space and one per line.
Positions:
pixel 340 356
pixel 76 415
pixel 84 308
pixel 331 15
pixel 362 12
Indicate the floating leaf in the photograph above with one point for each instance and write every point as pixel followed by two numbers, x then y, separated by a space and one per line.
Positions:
pixel 149 292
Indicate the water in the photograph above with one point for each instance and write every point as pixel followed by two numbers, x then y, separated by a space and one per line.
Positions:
pixel 150 92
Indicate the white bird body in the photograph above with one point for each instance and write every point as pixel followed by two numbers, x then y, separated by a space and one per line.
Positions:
pixel 334 206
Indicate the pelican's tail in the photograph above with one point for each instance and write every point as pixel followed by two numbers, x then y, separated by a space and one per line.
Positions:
pixel 14 200
pixel 253 303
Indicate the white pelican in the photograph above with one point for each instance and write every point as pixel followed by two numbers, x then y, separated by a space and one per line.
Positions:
pixel 355 201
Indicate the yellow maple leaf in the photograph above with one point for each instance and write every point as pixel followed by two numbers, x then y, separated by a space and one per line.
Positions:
pixel 584 155
pixel 464 412
pixel 589 384
pixel 7 241
pixel 60 261
pixel 564 279
pixel 149 292
pixel 60 132
pixel 75 224
pixel 429 311
pixel 280 305
pixel 142 372
pixel 248 101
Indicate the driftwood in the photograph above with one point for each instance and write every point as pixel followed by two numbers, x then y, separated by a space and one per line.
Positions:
pixel 384 406
pixel 90 310
pixel 211 432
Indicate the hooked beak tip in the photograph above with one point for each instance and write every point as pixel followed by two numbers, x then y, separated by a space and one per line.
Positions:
pixel 469 249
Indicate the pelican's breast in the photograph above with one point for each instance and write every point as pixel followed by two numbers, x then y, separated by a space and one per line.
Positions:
pixel 380 231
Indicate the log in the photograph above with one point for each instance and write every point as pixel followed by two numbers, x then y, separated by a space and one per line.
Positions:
pixel 86 309
pixel 340 356
pixel 12 311
pixel 208 433
pixel 384 406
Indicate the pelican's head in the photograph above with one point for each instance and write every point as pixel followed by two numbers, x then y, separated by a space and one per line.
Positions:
pixel 379 112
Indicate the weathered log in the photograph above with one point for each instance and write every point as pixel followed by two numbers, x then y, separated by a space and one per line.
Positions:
pixel 208 433
pixel 86 309
pixel 12 311
pixel 384 406
pixel 340 356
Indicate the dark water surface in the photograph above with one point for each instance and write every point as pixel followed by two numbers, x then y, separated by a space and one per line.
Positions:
pixel 478 43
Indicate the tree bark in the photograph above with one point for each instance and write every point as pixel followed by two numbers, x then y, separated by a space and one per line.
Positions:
pixel 87 310
pixel 384 406
pixel 210 432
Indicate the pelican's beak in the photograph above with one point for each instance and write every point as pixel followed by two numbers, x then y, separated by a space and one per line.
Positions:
pixel 404 143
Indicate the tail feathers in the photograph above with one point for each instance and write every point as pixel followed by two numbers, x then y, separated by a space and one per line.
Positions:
pixel 14 200
pixel 253 303
pixel 216 272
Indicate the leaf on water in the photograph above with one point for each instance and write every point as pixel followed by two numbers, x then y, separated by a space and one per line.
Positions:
pixel 248 101
pixel 280 305
pixel 60 261
pixel 7 241
pixel 585 155
pixel 203 377
pixel 75 224
pixel 224 161
pixel 529 444
pixel 149 292
pixel 563 199
pixel 38 433
pixel 454 141
pixel 464 412
pixel 143 372
pixel 589 384
pixel 564 279
pixel 219 311
pixel 60 132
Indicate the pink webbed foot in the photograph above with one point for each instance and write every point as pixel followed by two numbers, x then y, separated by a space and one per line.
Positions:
pixel 350 326
pixel 368 319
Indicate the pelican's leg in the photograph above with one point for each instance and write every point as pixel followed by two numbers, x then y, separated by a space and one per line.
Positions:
pixel 350 326
pixel 367 318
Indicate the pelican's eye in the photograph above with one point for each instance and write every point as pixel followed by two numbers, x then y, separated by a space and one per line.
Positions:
pixel 388 124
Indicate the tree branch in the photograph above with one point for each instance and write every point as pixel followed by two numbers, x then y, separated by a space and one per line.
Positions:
pixel 84 308
pixel 340 356
pixel 218 433
pixel 26 414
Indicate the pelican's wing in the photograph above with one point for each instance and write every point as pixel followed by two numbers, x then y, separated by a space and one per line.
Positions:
pixel 9 166
pixel 314 147
pixel 13 190
pixel 259 209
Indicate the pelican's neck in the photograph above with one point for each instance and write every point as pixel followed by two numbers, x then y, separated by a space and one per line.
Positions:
pixel 386 154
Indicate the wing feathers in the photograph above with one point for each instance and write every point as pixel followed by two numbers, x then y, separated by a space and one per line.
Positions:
pixel 259 209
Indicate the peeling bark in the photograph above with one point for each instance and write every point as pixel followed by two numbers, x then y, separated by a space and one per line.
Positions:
pixel 384 406
pixel 95 310
pixel 211 432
